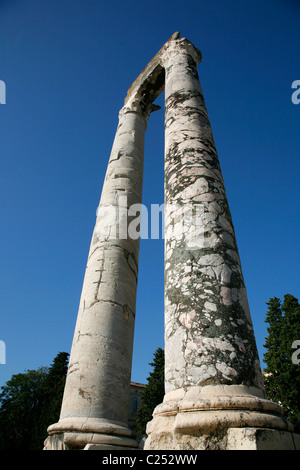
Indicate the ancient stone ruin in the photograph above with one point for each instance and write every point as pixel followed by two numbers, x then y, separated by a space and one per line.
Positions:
pixel 214 392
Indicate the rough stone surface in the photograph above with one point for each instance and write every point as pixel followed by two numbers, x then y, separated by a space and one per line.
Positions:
pixel 208 332
pixel 261 439
pixel 100 361
pixel 225 439
pixel 98 379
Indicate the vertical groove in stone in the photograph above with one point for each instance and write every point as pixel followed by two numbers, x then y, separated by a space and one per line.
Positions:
pixel 209 336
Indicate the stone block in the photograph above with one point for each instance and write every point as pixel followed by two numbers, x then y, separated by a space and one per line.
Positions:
pixel 261 439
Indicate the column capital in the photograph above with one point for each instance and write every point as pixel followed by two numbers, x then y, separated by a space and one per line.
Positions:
pixel 140 105
pixel 179 46
pixel 151 81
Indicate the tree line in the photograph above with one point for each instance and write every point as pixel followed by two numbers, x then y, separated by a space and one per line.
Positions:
pixel 31 401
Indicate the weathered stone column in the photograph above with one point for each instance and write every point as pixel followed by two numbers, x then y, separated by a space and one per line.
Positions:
pixel 212 374
pixel 96 397
pixel 214 385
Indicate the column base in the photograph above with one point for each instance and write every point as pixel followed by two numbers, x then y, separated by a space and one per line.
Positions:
pixel 217 417
pixel 89 434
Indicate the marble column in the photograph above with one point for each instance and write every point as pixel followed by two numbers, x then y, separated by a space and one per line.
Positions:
pixel 96 398
pixel 213 379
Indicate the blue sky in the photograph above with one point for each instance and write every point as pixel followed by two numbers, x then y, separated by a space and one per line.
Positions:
pixel 67 66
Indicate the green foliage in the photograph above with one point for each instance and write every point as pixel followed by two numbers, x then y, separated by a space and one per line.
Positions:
pixel 29 403
pixel 282 377
pixel 153 394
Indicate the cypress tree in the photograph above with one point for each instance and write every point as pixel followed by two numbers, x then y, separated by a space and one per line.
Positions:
pixel 153 394
pixel 282 376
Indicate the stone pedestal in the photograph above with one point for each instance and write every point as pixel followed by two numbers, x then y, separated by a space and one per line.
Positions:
pixel 219 417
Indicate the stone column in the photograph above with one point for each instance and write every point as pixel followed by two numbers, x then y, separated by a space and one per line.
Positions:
pixel 95 405
pixel 213 380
